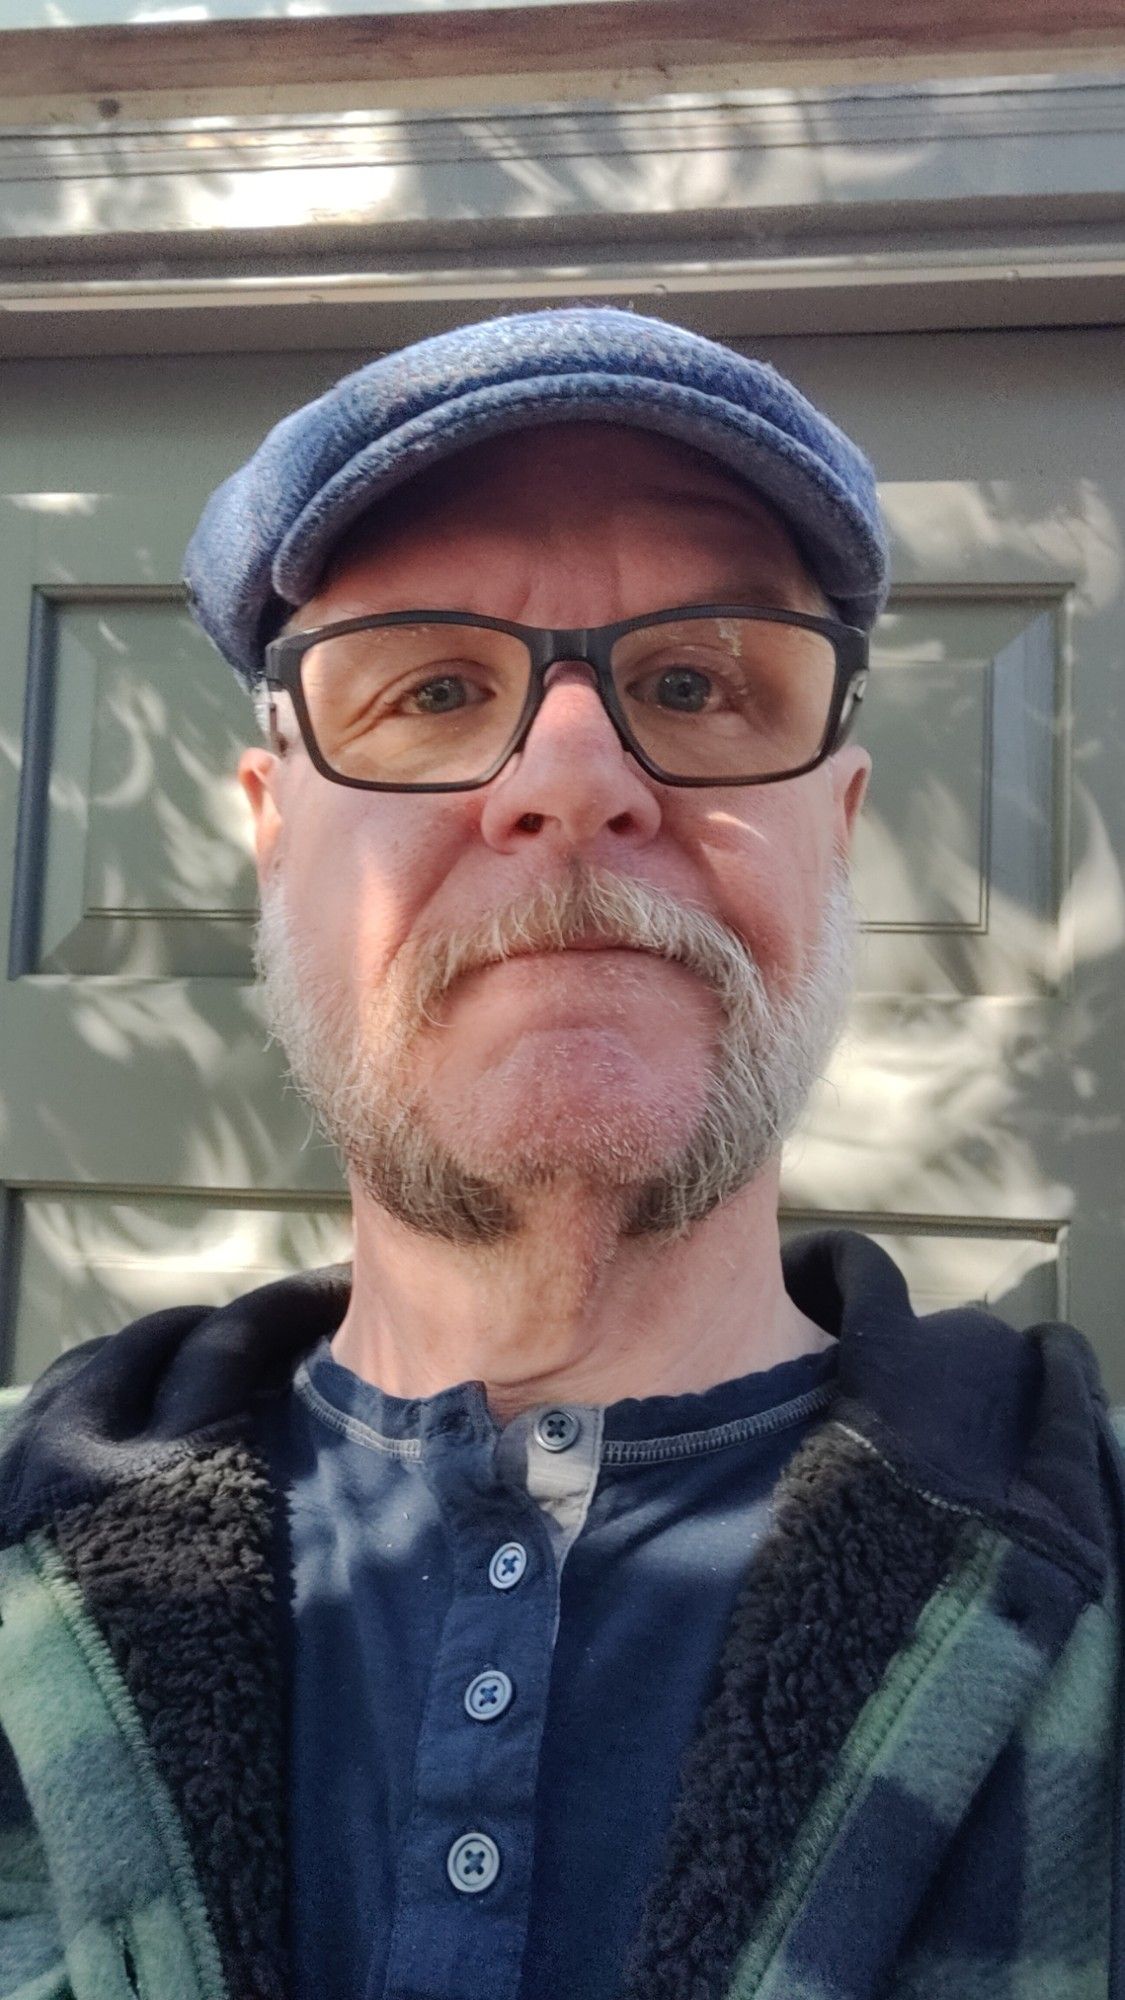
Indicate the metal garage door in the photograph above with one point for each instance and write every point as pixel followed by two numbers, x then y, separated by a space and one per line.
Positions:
pixel 148 1151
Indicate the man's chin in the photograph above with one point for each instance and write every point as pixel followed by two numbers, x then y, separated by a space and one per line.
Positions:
pixel 609 1139
pixel 483 1184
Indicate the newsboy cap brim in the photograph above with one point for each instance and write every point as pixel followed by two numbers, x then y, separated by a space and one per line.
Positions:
pixel 267 534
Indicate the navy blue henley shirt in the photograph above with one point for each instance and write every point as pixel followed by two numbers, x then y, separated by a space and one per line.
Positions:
pixel 503 1638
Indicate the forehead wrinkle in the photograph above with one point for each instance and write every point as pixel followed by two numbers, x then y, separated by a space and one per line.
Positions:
pixel 752 557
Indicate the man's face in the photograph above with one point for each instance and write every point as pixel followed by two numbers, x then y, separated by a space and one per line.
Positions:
pixel 599 1057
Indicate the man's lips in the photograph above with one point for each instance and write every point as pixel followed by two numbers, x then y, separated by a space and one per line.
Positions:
pixel 564 951
pixel 589 946
pixel 468 975
pixel 581 944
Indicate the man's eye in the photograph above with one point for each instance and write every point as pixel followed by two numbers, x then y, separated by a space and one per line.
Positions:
pixel 443 694
pixel 684 690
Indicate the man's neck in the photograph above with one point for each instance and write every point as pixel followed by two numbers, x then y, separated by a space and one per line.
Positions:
pixel 568 1310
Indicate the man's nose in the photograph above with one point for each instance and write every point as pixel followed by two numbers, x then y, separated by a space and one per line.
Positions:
pixel 573 780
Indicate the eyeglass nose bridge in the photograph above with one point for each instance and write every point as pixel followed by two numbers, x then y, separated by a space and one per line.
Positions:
pixel 573 646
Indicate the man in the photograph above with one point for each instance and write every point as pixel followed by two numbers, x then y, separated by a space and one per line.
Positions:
pixel 569 1596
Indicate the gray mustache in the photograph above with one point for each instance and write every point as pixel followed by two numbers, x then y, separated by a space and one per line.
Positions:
pixel 588 907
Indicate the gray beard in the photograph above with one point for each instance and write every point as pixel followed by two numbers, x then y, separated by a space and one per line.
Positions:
pixel 354 1064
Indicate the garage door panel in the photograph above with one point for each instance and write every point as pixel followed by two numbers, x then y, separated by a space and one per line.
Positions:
pixel 957 854
pixel 939 1107
pixel 150 1082
pixel 88 1262
pixel 139 862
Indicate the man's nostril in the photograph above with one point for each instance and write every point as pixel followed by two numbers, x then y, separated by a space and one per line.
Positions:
pixel 530 822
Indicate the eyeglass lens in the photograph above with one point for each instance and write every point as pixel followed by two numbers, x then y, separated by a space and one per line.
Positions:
pixel 715 697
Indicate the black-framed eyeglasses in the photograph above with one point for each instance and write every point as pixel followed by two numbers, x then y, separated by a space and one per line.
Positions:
pixel 438 701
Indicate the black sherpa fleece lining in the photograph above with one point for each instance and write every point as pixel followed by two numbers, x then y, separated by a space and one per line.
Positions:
pixel 175 1569
pixel 834 1592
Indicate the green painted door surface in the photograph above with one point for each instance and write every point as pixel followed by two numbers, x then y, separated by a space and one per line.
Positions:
pixel 149 1150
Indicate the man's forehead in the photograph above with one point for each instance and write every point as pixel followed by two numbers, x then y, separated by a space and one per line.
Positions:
pixel 521 481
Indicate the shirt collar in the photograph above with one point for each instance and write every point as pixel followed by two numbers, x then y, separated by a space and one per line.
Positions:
pixel 729 1407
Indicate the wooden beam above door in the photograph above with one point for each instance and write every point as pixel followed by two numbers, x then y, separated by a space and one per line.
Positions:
pixel 461 57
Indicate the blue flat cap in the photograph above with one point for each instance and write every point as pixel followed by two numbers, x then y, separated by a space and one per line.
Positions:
pixel 266 535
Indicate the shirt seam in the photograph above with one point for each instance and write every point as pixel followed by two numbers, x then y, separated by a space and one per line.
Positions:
pixel 352 1427
pixel 740 1430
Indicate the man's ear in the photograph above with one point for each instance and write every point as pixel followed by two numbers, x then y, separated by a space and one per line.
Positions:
pixel 259 773
pixel 851 770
